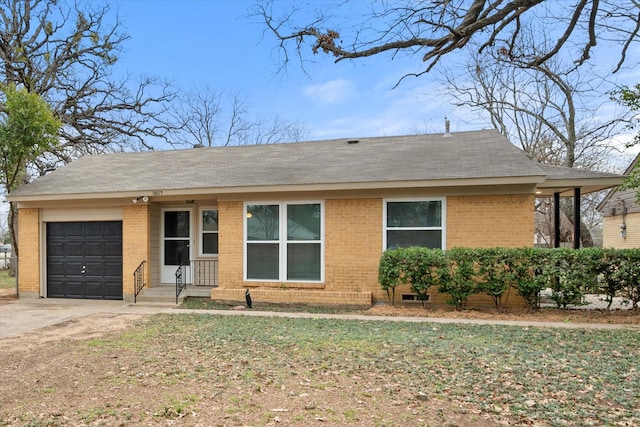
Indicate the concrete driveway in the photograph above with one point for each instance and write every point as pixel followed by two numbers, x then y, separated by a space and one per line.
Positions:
pixel 26 315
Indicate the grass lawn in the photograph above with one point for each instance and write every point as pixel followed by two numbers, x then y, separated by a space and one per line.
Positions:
pixel 200 369
pixel 6 281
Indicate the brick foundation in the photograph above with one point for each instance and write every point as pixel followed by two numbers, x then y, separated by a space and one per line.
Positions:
pixel 294 296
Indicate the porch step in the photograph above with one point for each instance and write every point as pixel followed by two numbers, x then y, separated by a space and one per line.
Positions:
pixel 167 294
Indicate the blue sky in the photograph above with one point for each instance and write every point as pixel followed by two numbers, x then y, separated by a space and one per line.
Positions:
pixel 215 43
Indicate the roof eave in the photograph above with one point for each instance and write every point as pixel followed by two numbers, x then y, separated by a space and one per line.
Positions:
pixel 587 185
pixel 286 188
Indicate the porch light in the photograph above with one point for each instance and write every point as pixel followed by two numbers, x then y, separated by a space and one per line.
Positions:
pixel 249 214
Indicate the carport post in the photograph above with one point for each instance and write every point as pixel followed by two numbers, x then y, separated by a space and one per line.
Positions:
pixel 576 218
pixel 556 220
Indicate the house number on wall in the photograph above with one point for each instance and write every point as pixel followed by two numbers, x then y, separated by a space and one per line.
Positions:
pixel 156 193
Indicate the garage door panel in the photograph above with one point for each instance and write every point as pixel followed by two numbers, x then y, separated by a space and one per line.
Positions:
pixel 56 268
pixel 58 292
pixel 94 229
pixel 55 229
pixel 72 249
pixel 113 229
pixel 73 288
pixel 113 291
pixel 73 229
pixel 95 288
pixel 72 268
pixel 94 249
pixel 93 268
pixel 55 248
pixel 112 269
pixel 112 249
pixel 84 260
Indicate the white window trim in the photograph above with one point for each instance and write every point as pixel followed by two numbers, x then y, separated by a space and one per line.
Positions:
pixel 443 225
pixel 283 241
pixel 201 231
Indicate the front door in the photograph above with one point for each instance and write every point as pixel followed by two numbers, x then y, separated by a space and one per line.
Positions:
pixel 176 243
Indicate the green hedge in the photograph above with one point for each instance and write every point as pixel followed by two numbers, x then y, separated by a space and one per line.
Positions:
pixel 418 267
pixel 463 272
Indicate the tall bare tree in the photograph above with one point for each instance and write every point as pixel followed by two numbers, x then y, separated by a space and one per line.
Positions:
pixel 429 30
pixel 210 118
pixel 65 52
pixel 551 110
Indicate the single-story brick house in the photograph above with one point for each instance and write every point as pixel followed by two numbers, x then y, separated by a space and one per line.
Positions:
pixel 300 222
pixel 621 216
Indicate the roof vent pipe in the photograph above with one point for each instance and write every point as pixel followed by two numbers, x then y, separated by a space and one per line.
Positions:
pixel 447 134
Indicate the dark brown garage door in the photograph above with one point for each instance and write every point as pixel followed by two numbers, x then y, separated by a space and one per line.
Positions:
pixel 84 260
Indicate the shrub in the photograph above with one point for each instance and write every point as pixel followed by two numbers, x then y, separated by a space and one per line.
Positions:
pixel 425 269
pixel 495 273
pixel 462 272
pixel 418 267
pixel 392 271
pixel 528 278
pixel 460 283
pixel 605 263
pixel 566 275
pixel 629 276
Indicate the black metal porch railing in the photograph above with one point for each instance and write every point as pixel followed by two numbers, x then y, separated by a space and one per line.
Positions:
pixel 197 272
pixel 204 272
pixel 138 280
pixel 181 283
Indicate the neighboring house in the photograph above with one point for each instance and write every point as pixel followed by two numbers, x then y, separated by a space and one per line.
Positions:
pixel 621 216
pixel 296 223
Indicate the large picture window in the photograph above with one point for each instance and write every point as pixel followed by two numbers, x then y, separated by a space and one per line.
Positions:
pixel 414 223
pixel 284 242
pixel 209 231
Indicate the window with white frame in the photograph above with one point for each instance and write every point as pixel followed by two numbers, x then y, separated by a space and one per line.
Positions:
pixel 284 242
pixel 414 223
pixel 209 231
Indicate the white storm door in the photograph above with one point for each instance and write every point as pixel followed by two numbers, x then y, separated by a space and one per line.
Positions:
pixel 176 243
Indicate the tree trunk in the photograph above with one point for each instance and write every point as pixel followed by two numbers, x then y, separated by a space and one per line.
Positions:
pixel 13 228
pixel 585 234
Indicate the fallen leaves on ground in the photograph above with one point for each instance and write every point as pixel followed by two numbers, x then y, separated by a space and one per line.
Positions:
pixel 209 370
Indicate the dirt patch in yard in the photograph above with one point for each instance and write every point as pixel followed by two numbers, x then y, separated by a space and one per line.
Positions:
pixel 8 293
pixel 99 370
pixel 72 374
pixel 84 328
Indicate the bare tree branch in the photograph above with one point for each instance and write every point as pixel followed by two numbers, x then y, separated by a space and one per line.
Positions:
pixel 209 118
pixel 541 108
pixel 65 53
pixel 436 28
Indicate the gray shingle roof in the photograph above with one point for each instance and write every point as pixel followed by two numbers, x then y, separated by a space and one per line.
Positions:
pixel 463 155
